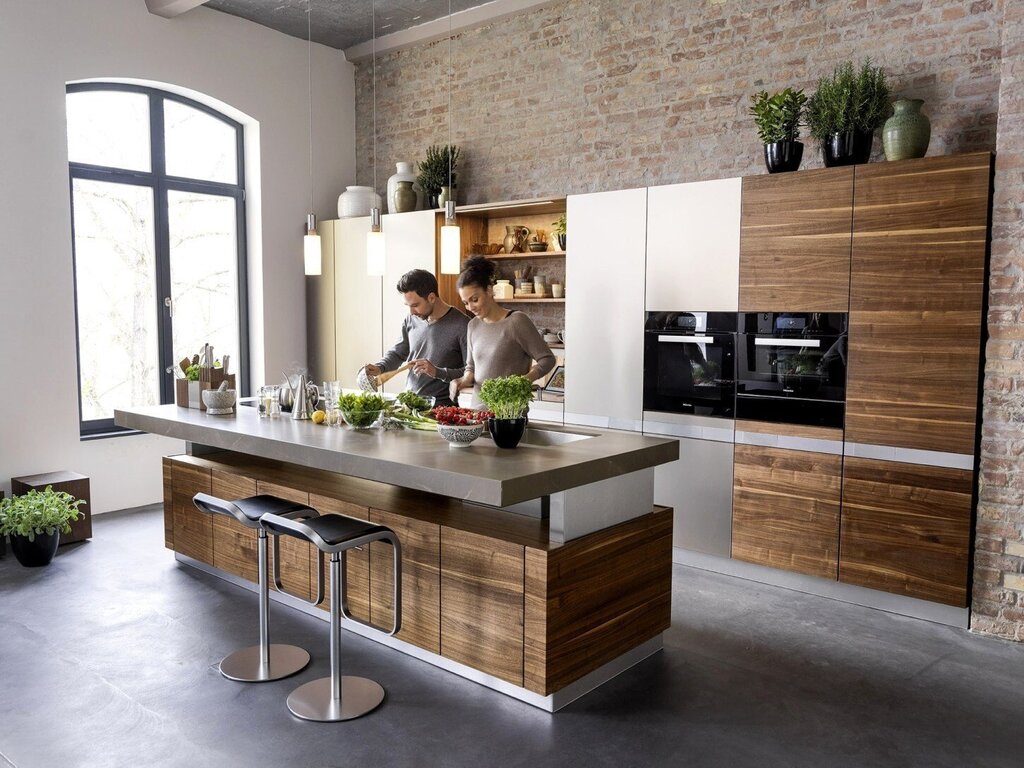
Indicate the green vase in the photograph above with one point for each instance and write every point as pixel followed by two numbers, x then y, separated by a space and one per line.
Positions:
pixel 906 134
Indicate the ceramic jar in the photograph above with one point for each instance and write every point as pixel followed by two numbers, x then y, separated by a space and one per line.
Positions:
pixel 906 134
pixel 357 201
pixel 404 172
pixel 404 198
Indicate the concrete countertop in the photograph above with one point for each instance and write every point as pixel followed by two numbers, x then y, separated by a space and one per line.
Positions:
pixel 480 472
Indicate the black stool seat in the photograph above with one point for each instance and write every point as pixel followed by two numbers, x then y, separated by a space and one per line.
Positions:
pixel 330 532
pixel 249 511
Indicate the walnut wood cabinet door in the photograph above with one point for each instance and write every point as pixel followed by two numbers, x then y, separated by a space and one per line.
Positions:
pixel 168 478
pixel 482 603
pixel 421 580
pixel 795 241
pixel 234 545
pixel 906 529
pixel 295 554
pixel 357 561
pixel 917 284
pixel 193 530
pixel 786 509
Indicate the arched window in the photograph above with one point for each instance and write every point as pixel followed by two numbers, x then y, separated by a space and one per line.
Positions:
pixel 158 232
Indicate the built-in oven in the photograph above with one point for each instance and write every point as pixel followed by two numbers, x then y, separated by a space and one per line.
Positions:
pixel 791 367
pixel 689 363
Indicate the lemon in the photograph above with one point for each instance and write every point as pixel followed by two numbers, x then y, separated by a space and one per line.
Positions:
pixel 318 417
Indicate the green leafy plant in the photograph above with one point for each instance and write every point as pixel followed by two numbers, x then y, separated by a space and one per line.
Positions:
pixel 361 409
pixel 849 100
pixel 192 372
pixel 777 115
pixel 38 512
pixel 434 169
pixel 559 226
pixel 507 397
pixel 413 402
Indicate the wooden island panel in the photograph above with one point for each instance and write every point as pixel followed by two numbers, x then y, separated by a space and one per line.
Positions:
pixel 167 467
pixel 193 530
pixel 357 561
pixel 234 545
pixel 295 554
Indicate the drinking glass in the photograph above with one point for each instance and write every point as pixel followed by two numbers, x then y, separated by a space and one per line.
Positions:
pixel 269 403
pixel 332 391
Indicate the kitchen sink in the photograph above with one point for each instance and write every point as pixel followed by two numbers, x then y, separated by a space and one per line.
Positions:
pixel 550 437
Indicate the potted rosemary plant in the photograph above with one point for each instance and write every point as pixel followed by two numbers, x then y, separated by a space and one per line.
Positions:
pixel 434 171
pixel 845 111
pixel 35 521
pixel 777 117
pixel 508 398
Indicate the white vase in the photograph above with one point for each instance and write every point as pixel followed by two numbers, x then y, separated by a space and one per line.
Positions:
pixel 357 201
pixel 404 173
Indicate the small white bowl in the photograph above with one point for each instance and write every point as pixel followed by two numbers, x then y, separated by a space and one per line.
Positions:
pixel 219 402
pixel 460 435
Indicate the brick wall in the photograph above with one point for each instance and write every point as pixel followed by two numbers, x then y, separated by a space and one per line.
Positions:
pixel 591 95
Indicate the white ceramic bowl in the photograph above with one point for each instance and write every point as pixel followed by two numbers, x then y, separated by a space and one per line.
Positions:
pixel 219 402
pixel 460 435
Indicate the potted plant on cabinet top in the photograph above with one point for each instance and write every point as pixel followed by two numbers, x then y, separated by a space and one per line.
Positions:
pixel 508 398
pixel 777 117
pixel 35 521
pixel 845 111
pixel 559 231
pixel 436 170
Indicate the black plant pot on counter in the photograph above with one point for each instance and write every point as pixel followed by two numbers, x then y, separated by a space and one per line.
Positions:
pixel 847 148
pixel 506 433
pixel 35 553
pixel 783 156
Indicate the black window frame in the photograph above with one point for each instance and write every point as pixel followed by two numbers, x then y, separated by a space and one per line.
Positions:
pixel 161 183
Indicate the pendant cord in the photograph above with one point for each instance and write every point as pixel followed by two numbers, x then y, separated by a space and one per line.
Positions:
pixel 309 71
pixel 373 49
pixel 450 192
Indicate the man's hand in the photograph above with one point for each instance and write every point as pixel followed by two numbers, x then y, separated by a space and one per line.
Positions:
pixel 424 367
pixel 371 370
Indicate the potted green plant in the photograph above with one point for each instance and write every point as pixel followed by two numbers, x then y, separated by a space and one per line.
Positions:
pixel 508 398
pixel 777 117
pixel 845 111
pixel 436 169
pixel 559 231
pixel 35 520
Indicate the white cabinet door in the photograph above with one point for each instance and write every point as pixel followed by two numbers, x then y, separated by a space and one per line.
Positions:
pixel 693 247
pixel 357 301
pixel 604 308
pixel 409 244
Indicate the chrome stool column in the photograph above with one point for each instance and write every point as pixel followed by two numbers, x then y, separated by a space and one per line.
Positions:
pixel 335 698
pixel 264 662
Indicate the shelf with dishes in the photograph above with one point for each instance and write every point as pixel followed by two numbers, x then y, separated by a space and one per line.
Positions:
pixel 523 255
pixel 533 300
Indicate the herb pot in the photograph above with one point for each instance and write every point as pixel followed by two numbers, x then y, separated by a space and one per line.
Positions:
pixel 35 553
pixel 561 242
pixel 847 148
pixel 783 156
pixel 506 433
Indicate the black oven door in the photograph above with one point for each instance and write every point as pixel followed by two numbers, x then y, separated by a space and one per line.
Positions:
pixel 689 372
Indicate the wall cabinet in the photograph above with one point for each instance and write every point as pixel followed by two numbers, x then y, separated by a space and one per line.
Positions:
pixel 693 247
pixel 917 292
pixel 795 241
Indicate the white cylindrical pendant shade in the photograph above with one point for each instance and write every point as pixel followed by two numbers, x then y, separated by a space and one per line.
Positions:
pixel 311 254
pixel 451 249
pixel 375 261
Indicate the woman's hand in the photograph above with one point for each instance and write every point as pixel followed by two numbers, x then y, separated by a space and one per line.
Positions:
pixel 457 385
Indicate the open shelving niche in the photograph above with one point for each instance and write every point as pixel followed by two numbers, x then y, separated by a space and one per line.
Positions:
pixel 485 223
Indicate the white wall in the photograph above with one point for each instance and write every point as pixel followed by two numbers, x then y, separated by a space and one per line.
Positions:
pixel 259 72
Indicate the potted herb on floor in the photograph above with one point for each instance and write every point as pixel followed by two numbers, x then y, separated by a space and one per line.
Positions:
pixel 777 117
pixel 845 111
pixel 508 398
pixel 35 521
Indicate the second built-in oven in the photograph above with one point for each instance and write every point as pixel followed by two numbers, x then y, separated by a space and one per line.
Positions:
pixel 791 367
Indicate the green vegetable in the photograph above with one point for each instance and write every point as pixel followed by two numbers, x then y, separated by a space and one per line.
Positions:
pixel 362 409
pixel 412 419
pixel 508 396
pixel 192 373
pixel 38 512
pixel 413 402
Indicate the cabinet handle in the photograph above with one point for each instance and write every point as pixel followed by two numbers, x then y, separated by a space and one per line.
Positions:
pixel 759 342
pixel 687 339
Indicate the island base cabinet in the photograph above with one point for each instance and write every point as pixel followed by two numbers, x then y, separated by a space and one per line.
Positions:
pixel 906 529
pixel 234 545
pixel 786 509
pixel 357 561
pixel 295 554
pixel 482 603
pixel 193 530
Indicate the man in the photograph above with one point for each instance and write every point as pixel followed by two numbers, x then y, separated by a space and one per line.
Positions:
pixel 433 339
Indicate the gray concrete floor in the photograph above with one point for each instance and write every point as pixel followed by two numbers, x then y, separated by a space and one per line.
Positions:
pixel 108 657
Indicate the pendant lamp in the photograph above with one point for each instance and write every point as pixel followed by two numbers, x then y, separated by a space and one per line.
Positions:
pixel 375 255
pixel 311 241
pixel 451 235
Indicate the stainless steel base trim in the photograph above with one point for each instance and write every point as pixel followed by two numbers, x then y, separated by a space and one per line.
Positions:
pixel 911 456
pixel 834 447
pixel 833 590
pixel 550 703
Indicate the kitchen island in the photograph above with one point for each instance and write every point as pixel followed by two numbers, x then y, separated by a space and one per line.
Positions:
pixel 540 571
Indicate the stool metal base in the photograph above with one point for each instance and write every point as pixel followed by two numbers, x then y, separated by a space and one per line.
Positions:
pixel 313 701
pixel 246 665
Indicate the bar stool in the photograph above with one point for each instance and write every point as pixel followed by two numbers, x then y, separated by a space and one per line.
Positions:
pixel 263 662
pixel 335 698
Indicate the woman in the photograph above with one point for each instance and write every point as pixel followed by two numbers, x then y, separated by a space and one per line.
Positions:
pixel 500 342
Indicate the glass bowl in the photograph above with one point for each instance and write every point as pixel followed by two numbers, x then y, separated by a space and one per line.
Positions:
pixel 362 419
pixel 460 435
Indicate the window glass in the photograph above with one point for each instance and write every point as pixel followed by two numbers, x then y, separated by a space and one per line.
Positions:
pixel 199 146
pixel 115 271
pixel 204 272
pixel 109 128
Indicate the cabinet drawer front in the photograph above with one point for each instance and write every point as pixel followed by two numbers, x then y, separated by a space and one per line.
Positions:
pixel 357 561
pixel 906 529
pixel 234 545
pixel 786 509
pixel 193 530
pixel 295 554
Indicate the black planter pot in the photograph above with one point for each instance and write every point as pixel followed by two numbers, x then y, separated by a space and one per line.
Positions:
pixel 35 553
pixel 506 433
pixel 432 200
pixel 849 148
pixel 783 156
pixel 561 242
